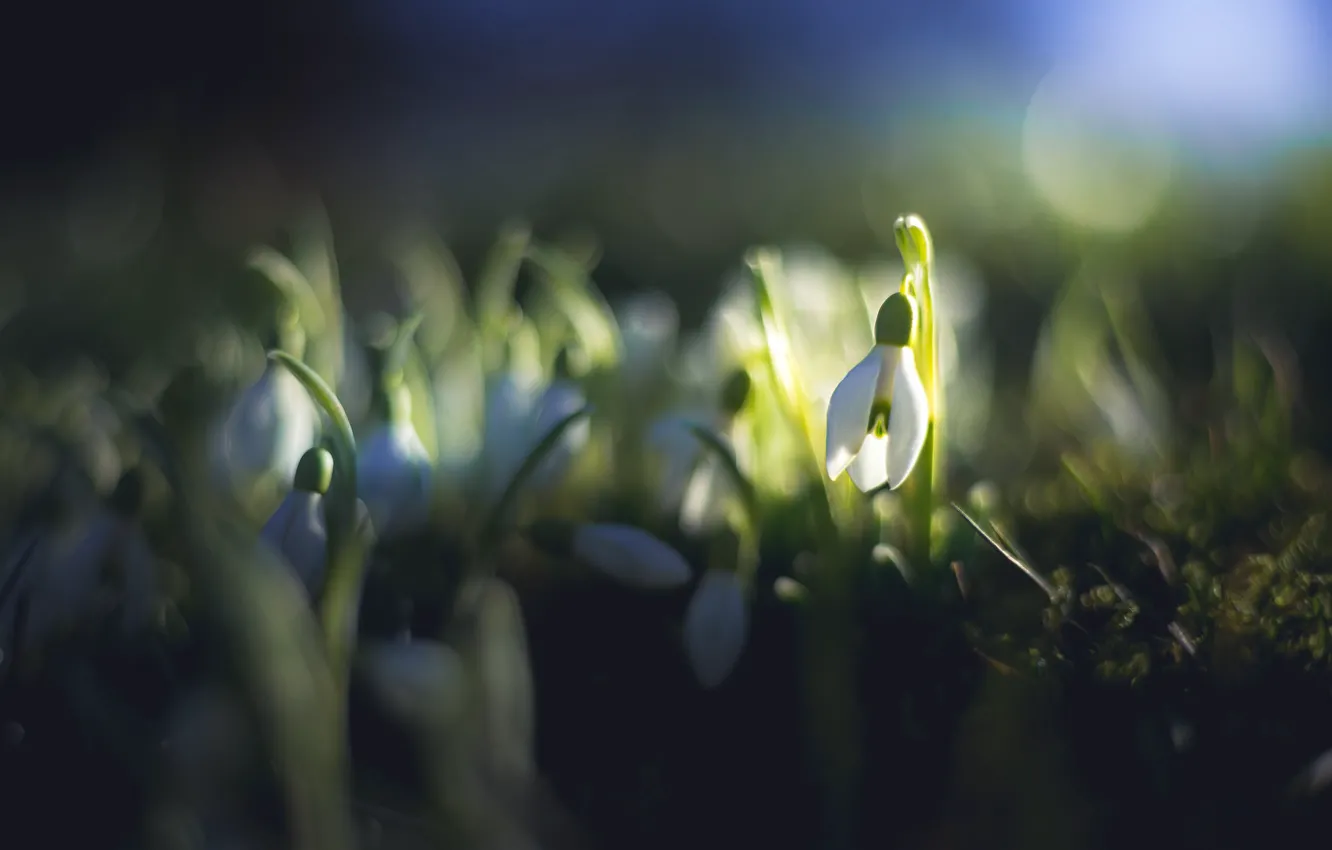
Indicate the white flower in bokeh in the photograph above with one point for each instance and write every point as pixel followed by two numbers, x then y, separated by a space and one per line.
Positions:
pixel 98 565
pixel 561 398
pixel 266 431
pixel 649 323
pixel 298 529
pixel 693 480
pixel 394 476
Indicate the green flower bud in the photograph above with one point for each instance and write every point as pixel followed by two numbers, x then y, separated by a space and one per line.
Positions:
pixel 896 320
pixel 314 472
pixel 735 392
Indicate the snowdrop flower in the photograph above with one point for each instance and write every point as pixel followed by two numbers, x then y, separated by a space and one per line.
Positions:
pixel 561 398
pixel 267 430
pixel 624 553
pixel 70 582
pixel 716 626
pixel 392 466
pixel 649 323
pixel 511 399
pixel 694 482
pixel 879 414
pixel 297 530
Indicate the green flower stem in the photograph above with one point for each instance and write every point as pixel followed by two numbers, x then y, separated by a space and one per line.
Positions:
pixel 917 250
pixel 493 525
pixel 346 560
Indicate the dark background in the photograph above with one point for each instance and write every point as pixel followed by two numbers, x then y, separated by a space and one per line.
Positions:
pixel 676 133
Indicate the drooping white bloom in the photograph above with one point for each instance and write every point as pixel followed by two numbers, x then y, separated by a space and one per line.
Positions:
pixel 649 323
pixel 561 398
pixel 91 567
pixel 878 416
pixel 267 430
pixel 678 451
pixel 394 473
pixel 630 555
pixel 694 481
pixel 298 532
pixel 716 626
pixel 510 400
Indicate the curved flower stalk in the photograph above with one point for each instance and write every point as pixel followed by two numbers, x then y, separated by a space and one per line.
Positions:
pixel 298 529
pixel 878 416
pixel 101 564
pixel 346 556
pixel 273 422
pixel 624 553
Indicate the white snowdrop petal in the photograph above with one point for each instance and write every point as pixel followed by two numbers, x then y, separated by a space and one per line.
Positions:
pixel 269 427
pixel 909 422
pixel 510 400
pixel 298 532
pixel 849 410
pixel 649 324
pixel 631 556
pixel 716 627
pixel 393 477
pixel 559 400
pixel 869 470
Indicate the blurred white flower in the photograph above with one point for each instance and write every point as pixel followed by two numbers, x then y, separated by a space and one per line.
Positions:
pixel 298 532
pixel 561 398
pixel 511 398
pixel 685 469
pixel 394 477
pixel 267 430
pixel 693 480
pixel 298 529
pixel 716 627
pixel 92 567
pixel 879 414
pixel 630 555
pixel 649 323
